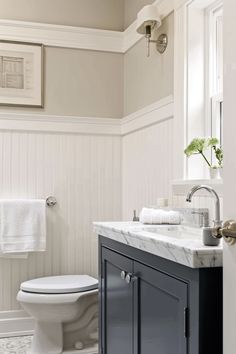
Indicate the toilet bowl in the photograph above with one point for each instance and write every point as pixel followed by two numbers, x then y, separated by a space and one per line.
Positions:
pixel 65 309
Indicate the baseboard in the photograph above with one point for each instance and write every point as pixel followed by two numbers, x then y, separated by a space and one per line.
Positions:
pixel 15 323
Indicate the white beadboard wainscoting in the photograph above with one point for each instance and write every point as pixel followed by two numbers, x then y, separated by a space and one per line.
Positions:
pixel 147 172
pixel 83 173
pixel 97 169
pixel 146 166
pixel 147 163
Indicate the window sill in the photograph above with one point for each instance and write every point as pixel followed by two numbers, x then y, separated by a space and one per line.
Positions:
pixel 181 187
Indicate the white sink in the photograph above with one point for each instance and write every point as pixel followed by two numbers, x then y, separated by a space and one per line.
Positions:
pixel 173 231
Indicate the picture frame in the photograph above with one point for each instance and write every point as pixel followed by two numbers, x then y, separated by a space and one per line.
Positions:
pixel 21 74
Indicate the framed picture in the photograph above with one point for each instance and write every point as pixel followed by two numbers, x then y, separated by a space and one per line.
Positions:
pixel 21 74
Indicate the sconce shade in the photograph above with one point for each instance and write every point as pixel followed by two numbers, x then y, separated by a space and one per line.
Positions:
pixel 148 16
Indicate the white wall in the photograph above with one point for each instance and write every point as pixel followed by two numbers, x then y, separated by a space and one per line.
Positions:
pixel 83 173
pixel 229 254
pixel 147 153
pixel 149 79
pixel 196 83
pixel 146 166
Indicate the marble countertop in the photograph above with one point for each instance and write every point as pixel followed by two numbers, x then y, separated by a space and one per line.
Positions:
pixel 177 243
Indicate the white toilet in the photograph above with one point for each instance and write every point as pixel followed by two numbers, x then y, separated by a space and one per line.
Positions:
pixel 66 312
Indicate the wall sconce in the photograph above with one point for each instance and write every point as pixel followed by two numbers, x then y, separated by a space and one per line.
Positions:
pixel 148 20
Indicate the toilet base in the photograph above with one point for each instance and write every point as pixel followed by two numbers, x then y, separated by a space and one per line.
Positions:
pixel 48 338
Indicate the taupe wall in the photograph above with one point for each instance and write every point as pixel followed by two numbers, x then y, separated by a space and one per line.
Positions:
pixel 132 7
pixel 105 14
pixel 84 83
pixel 147 168
pixel 77 82
pixel 81 83
pixel 87 83
pixel 147 80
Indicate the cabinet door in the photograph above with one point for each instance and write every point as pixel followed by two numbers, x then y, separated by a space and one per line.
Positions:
pixel 162 308
pixel 116 304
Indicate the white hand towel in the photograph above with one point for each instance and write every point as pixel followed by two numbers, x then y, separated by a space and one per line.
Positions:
pixel 22 225
pixel 159 216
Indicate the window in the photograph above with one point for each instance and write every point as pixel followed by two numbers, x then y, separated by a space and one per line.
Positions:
pixel 204 103
pixel 214 18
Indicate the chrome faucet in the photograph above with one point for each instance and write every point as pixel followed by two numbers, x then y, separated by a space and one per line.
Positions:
pixel 217 222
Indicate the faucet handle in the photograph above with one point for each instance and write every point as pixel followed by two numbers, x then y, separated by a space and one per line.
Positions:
pixel 204 217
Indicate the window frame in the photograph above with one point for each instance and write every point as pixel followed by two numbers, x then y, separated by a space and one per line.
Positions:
pixel 181 175
pixel 213 74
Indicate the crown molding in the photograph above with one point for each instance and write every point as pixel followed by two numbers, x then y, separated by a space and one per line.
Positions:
pixel 152 114
pixel 62 36
pixel 77 37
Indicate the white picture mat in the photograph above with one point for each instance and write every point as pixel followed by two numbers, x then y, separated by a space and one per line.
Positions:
pixel 20 74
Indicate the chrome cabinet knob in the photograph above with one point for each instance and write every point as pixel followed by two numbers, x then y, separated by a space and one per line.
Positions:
pixel 123 275
pixel 128 278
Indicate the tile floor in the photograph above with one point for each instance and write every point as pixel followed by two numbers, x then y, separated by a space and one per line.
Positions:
pixel 20 345
pixel 15 345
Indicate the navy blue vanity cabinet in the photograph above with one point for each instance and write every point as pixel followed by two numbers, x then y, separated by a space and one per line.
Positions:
pixel 149 305
pixel 162 306
pixel 118 312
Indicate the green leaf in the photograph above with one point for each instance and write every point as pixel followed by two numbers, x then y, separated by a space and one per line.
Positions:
pixel 200 145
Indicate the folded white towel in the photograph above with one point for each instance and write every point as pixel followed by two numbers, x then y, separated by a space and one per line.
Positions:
pixel 159 216
pixel 22 225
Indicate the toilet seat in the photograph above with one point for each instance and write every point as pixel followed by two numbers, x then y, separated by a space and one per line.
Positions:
pixel 61 284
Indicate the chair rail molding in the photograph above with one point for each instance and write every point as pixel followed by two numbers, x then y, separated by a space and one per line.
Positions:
pixel 77 37
pixel 59 124
pixel 152 114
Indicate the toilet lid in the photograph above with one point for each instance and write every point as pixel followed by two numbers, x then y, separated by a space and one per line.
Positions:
pixel 62 284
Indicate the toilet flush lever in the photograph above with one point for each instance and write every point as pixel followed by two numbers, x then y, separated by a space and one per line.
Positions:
pixel 227 231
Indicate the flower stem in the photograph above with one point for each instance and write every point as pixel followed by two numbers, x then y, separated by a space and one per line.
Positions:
pixel 205 158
